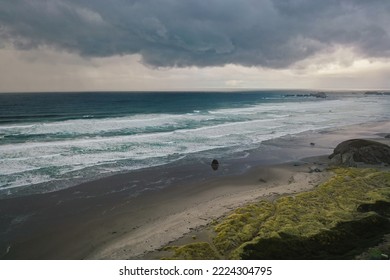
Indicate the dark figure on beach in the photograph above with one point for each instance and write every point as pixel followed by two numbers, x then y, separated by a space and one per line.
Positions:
pixel 214 164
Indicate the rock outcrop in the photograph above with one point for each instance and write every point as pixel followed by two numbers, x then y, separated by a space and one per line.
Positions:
pixel 316 94
pixel 351 152
pixel 319 95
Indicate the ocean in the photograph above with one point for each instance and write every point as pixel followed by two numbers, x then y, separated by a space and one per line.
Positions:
pixel 52 141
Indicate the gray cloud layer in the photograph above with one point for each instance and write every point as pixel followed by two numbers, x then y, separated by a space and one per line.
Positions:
pixel 178 33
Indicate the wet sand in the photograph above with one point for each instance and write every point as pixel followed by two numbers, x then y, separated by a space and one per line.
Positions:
pixel 199 205
pixel 103 219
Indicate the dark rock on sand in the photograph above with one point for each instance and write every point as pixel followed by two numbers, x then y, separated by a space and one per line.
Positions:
pixel 214 164
pixel 350 152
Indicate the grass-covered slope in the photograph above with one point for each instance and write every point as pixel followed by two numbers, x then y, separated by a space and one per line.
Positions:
pixel 338 220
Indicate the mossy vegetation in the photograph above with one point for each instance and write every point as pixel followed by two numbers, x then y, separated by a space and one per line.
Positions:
pixel 193 251
pixel 340 219
pixel 344 241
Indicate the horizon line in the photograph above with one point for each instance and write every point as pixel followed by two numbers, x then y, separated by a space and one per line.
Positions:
pixel 201 90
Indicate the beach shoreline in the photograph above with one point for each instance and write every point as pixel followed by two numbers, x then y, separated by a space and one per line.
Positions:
pixel 98 220
pixel 214 202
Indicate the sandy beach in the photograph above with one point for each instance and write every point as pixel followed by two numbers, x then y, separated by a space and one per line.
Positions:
pixel 182 211
pixel 97 220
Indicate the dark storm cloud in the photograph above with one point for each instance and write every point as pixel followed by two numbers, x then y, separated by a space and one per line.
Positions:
pixel 269 33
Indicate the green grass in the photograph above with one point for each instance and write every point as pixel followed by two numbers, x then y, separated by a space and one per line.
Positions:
pixel 340 218
pixel 193 251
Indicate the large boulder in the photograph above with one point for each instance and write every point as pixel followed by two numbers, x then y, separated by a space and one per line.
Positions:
pixel 214 164
pixel 351 152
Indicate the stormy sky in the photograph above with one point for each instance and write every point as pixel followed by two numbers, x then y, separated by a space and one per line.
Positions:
pixel 190 44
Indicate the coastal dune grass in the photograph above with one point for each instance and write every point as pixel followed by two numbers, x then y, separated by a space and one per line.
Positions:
pixel 337 220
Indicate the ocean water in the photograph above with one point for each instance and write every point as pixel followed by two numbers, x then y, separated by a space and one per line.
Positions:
pixel 51 141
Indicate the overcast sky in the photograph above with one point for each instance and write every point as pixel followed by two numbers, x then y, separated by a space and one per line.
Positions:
pixel 61 45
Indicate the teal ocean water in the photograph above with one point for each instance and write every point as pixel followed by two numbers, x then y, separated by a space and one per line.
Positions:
pixel 50 141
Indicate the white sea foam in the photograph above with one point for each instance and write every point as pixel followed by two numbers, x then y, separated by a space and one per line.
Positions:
pixel 127 143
